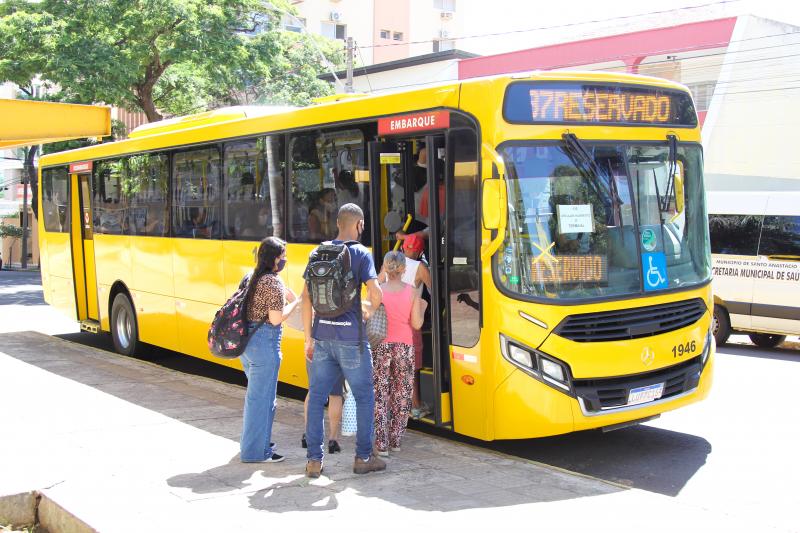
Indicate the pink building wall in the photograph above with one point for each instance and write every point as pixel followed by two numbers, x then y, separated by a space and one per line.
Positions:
pixel 630 48
pixel 395 16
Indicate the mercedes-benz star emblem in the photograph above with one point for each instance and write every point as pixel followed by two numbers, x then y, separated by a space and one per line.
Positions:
pixel 648 356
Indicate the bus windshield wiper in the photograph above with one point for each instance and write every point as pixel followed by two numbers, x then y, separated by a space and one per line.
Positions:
pixel 663 203
pixel 576 149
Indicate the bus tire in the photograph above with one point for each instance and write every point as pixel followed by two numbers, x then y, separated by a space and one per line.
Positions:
pixel 766 340
pixel 720 325
pixel 124 330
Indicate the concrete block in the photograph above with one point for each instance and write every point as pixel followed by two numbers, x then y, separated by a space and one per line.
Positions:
pixel 53 517
pixel 18 510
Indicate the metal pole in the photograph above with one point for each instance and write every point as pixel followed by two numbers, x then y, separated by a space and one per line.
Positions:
pixel 348 88
pixel 25 211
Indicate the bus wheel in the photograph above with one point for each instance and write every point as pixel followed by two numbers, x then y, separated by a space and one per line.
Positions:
pixel 766 340
pixel 123 325
pixel 720 325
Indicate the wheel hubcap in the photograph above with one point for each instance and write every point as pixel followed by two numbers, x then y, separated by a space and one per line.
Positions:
pixel 124 328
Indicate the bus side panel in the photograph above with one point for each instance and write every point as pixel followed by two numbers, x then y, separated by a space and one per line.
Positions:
pixel 59 266
pixel 470 381
pixel 293 366
pixel 113 263
pixel 154 291
pixel 199 292
pixel 525 408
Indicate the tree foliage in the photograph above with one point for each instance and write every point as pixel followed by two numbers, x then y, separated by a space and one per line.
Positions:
pixel 160 56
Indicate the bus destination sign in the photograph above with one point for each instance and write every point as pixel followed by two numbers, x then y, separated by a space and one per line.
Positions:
pixel 548 103
pixel 572 269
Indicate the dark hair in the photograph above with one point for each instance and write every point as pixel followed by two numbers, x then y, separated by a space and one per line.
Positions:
pixel 348 181
pixel 270 249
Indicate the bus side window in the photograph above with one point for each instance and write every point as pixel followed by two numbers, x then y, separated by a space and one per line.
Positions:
pixel 110 199
pixel 463 275
pixel 148 178
pixel 195 193
pixel 253 206
pixel 55 186
pixel 305 182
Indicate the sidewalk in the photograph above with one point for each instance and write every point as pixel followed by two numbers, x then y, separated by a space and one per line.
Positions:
pixel 124 445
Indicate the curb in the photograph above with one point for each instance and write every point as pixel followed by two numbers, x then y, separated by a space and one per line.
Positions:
pixel 36 510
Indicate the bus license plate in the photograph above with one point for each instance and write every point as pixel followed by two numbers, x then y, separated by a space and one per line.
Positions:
pixel 645 394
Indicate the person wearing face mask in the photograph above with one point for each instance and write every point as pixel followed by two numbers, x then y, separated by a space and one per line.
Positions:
pixel 322 218
pixel 269 304
pixel 337 346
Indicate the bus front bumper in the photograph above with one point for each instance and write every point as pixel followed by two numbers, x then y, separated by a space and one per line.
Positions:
pixel 532 409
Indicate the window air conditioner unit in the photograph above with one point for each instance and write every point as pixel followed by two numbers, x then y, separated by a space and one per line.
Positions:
pixel 446 15
pixel 335 16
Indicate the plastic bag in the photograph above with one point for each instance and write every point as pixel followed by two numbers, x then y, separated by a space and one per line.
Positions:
pixel 349 418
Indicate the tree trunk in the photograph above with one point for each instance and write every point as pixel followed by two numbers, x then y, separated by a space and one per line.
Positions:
pixel 33 179
pixel 147 105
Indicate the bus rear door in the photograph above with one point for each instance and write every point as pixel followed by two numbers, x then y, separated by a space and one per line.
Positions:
pixel 83 247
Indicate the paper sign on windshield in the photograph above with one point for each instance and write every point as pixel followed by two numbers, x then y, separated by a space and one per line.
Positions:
pixel 575 218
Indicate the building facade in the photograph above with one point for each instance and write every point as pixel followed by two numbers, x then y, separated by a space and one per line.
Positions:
pixel 383 30
pixel 741 70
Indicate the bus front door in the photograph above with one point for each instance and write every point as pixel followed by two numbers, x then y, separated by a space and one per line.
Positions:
pixel 83 253
pixel 400 187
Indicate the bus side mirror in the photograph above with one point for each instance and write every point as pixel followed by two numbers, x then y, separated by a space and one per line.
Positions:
pixel 492 206
pixel 678 181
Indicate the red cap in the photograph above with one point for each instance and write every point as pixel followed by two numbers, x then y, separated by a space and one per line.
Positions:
pixel 413 243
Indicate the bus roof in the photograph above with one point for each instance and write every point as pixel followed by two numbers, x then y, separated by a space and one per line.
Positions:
pixel 253 120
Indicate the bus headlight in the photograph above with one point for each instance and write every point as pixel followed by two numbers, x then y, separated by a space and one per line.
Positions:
pixel 542 367
pixel 553 370
pixel 522 356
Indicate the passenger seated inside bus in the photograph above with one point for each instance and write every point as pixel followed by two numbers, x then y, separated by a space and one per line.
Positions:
pixel 322 217
pixel 197 225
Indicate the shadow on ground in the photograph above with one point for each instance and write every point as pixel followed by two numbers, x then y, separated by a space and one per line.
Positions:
pixel 745 350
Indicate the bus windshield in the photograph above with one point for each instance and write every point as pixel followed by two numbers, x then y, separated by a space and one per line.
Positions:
pixel 602 220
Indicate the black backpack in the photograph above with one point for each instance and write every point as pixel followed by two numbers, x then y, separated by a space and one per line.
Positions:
pixel 229 331
pixel 331 284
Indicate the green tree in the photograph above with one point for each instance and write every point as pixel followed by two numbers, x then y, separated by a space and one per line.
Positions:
pixel 159 56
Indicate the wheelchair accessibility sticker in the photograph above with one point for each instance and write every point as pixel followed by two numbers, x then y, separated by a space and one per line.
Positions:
pixel 654 269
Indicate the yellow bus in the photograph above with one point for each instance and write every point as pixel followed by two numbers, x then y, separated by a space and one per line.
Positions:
pixel 567 236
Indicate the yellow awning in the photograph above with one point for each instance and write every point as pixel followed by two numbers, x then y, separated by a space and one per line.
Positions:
pixel 25 123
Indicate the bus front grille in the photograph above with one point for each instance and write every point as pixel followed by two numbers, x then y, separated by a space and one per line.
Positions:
pixel 631 323
pixel 609 393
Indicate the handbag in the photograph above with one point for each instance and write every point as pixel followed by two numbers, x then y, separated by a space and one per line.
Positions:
pixel 349 418
pixel 377 326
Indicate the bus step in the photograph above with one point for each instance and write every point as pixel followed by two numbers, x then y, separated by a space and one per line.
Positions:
pixel 91 326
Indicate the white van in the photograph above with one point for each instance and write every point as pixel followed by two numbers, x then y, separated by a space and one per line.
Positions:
pixel 755 246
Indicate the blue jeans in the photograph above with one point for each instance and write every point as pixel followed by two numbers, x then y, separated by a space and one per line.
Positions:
pixel 331 360
pixel 261 361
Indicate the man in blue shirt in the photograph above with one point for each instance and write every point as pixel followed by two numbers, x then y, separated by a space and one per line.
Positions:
pixel 337 346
